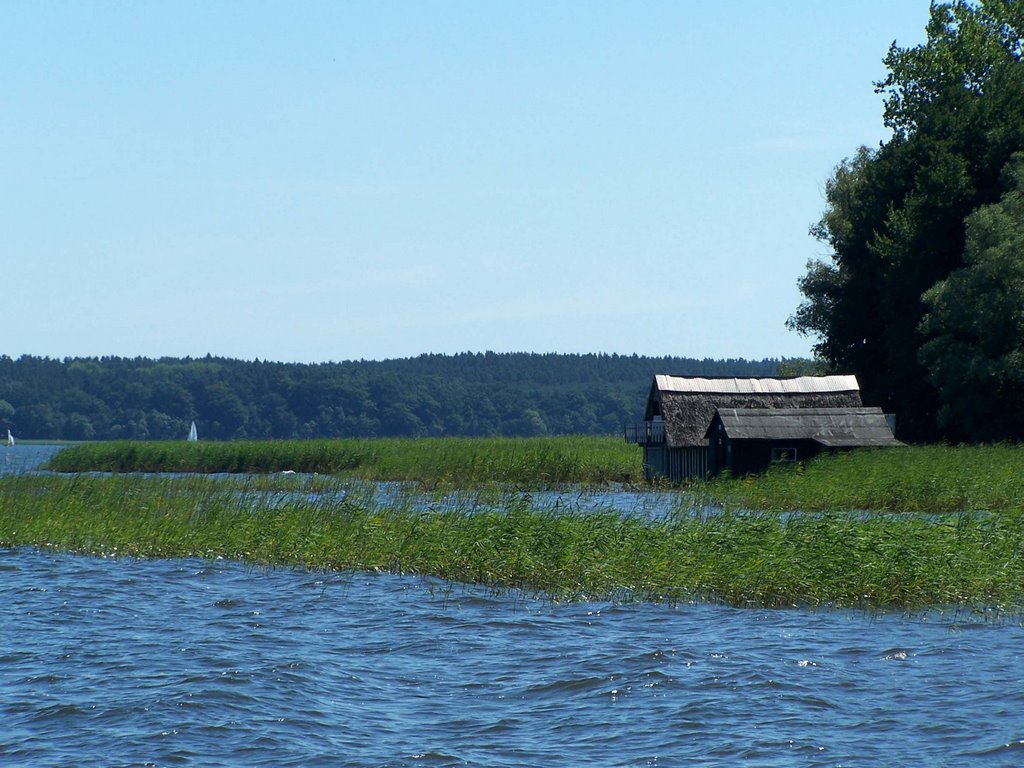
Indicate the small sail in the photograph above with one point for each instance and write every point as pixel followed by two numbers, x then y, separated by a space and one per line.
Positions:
pixel 10 438
pixel 193 435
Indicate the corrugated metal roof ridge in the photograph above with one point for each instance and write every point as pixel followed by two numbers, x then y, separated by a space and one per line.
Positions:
pixel 768 385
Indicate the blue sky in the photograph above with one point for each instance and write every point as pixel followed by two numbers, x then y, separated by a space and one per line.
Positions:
pixel 342 180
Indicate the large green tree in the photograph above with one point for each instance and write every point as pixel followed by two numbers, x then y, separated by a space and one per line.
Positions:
pixel 975 324
pixel 895 216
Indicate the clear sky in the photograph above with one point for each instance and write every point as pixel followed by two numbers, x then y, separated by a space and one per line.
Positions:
pixel 314 181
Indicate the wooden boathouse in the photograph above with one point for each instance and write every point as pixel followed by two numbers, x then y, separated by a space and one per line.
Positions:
pixel 745 440
pixel 680 409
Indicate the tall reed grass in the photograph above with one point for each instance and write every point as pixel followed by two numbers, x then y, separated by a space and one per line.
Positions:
pixel 533 462
pixel 933 478
pixel 748 559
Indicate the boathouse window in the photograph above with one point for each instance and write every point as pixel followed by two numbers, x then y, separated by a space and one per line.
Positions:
pixel 783 454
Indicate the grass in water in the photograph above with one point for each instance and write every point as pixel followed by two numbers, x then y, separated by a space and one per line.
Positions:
pixel 532 462
pixel 932 478
pixel 748 559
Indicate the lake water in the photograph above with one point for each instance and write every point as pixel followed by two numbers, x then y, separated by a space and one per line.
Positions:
pixel 25 457
pixel 190 662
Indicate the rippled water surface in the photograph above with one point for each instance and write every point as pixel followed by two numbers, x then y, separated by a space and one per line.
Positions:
pixel 188 662
pixel 25 457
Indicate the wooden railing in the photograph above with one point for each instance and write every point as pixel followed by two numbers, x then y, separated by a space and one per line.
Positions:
pixel 645 432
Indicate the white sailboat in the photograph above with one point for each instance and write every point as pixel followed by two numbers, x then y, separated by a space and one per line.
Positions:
pixel 10 439
pixel 193 435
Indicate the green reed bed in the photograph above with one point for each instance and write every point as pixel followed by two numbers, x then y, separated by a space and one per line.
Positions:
pixel 535 462
pixel 911 479
pixel 748 559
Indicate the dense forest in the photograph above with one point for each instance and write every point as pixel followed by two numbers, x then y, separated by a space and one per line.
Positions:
pixel 465 394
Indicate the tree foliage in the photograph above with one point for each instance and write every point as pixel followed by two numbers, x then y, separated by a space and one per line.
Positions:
pixel 895 216
pixel 975 323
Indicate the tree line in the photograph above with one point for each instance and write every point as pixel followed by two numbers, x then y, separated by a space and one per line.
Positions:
pixel 430 395
pixel 923 294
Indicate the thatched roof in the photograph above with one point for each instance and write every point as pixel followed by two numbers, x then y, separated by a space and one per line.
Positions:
pixel 830 427
pixel 688 404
